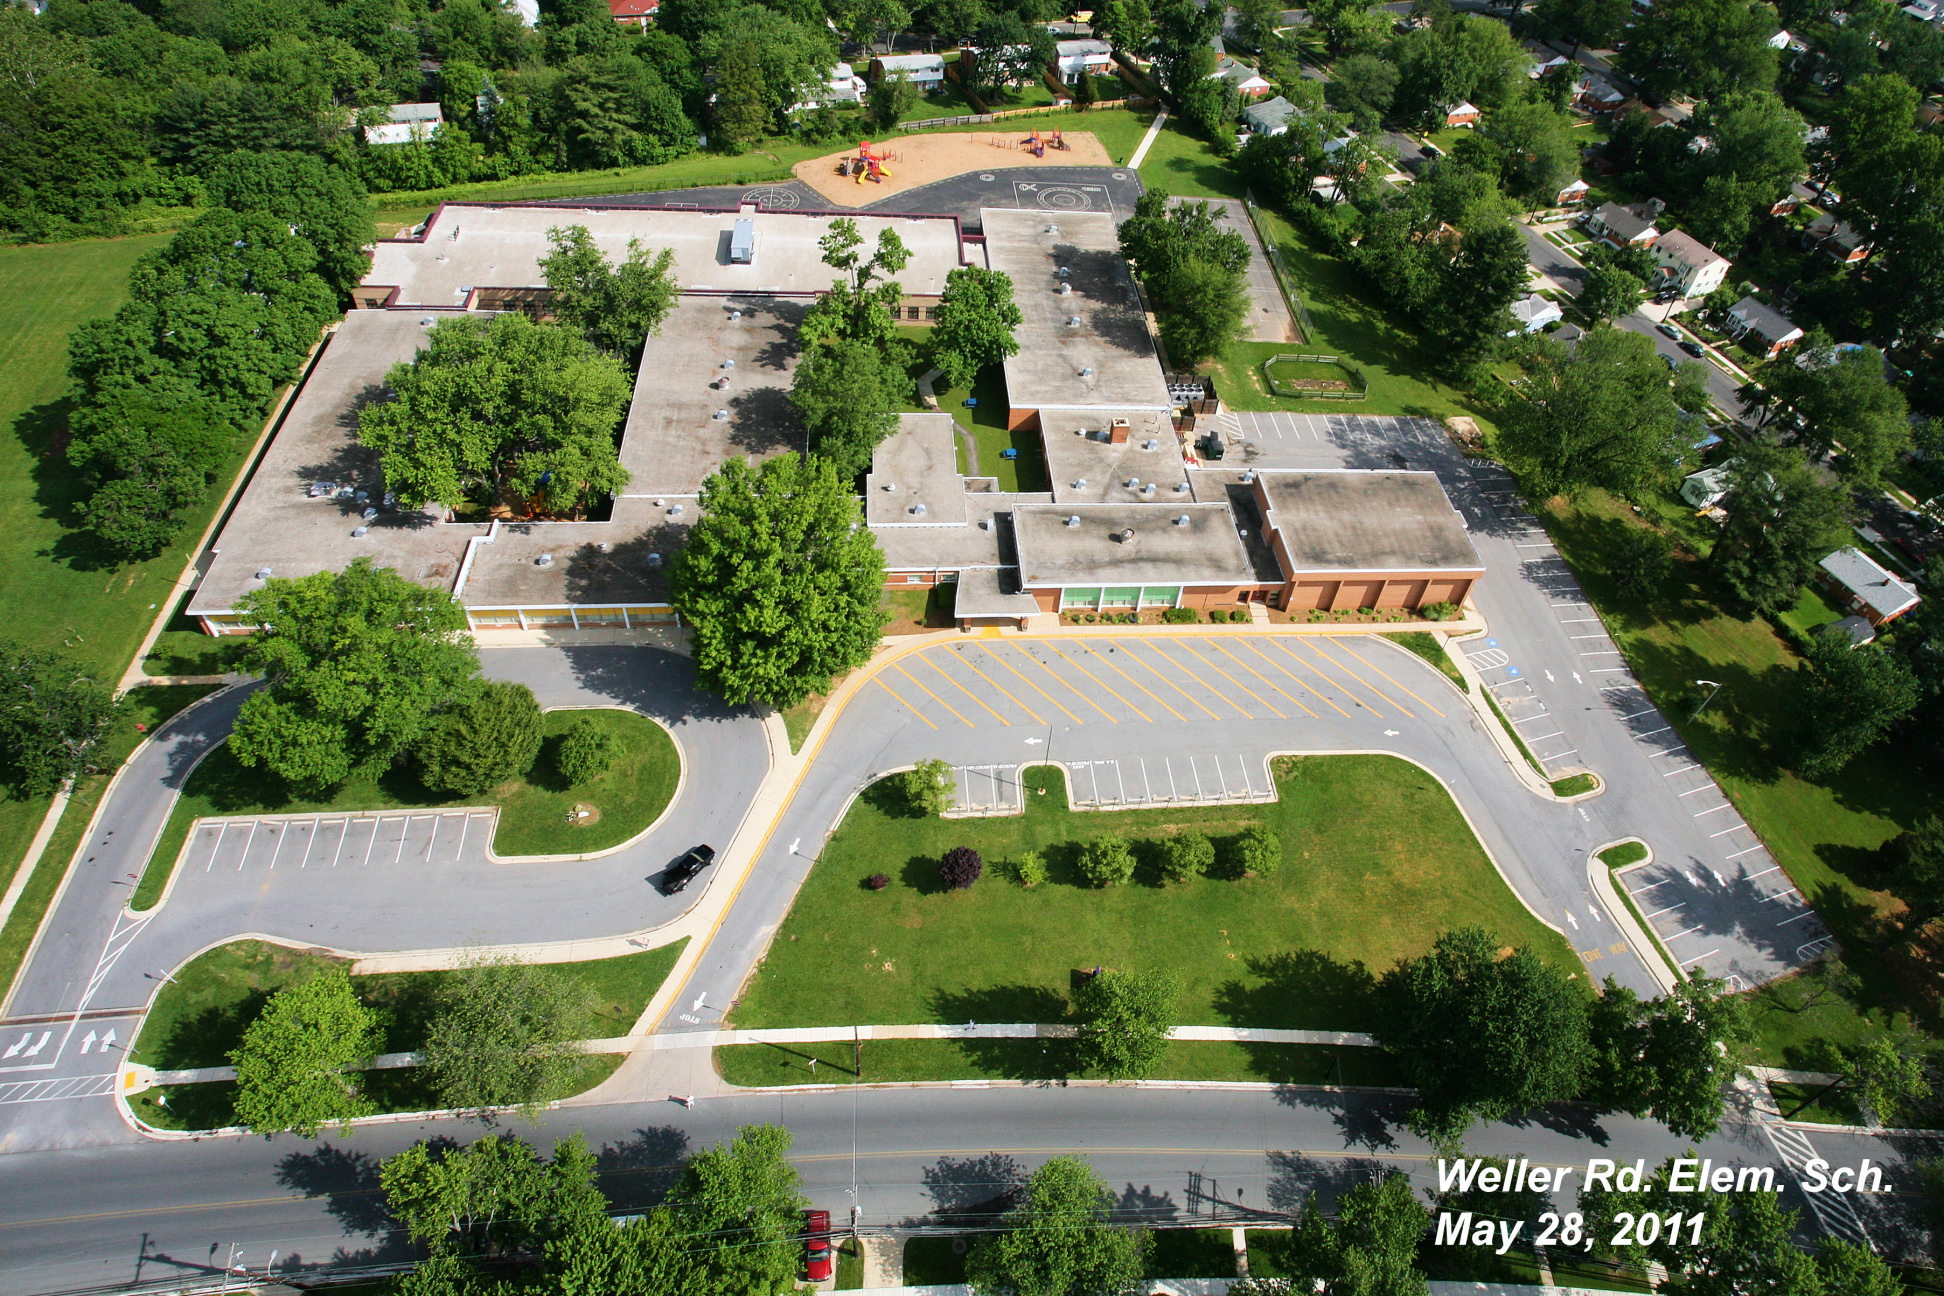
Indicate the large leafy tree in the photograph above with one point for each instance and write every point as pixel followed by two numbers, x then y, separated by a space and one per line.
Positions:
pixel 490 737
pixel 1537 142
pixel 1611 291
pixel 356 664
pixel 502 409
pixel 1744 149
pixel 617 308
pixel 1782 519
pixel 493 1197
pixel 1194 272
pixel 1370 1249
pixel 53 715
pixel 848 394
pixel 1668 1057
pixel 1600 416
pixel 741 1210
pixel 975 323
pixel 296 1068
pixel 1124 1021
pixel 1702 48
pixel 1855 696
pixel 779 581
pixel 325 205
pixel 742 97
pixel 646 1256
pixel 72 151
pixel 1457 59
pixel 1060 1239
pixel 1585 22
pixel 860 306
pixel 1838 401
pixel 506 1034
pixel 1482 1034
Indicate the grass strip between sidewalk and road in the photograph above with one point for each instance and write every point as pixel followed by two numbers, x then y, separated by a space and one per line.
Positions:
pixel 533 808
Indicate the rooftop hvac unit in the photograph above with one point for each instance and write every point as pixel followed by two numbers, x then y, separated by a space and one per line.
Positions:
pixel 742 242
pixel 1073 521
pixel 1065 289
pixel 1182 520
pixel 319 489
pixel 359 534
pixel 654 560
pixel 264 573
pixel 370 513
pixel 544 560
pixel 1073 321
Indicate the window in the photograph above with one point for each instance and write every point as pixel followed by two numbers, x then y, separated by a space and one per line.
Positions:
pixel 1080 598
pixel 911 312
pixel 1160 595
pixel 1120 596
pixel 931 312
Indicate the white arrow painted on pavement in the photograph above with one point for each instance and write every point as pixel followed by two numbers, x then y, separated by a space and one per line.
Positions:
pixel 697 1005
pixel 108 1041
pixel 40 1043
pixel 19 1046
pixel 1550 679
pixel 1574 921
pixel 1033 742
pixel 793 845
pixel 87 1041
pixel 1596 914
pixel 1577 679
pixel 1390 733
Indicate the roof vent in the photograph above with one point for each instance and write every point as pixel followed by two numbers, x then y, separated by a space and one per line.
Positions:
pixel 1149 444
pixel 1181 488
pixel 1148 489
pixel 603 546
pixel 728 364
pixel 676 511
pixel 1073 521
pixel 1063 272
pixel 1065 289
pixel 1126 535
pixel 426 322
pixel 918 509
pixel 359 534
pixel 735 315
pixel 720 415
pixel 654 560
pixel 1132 482
pixel 1073 321
pixel 1182 520
pixel 264 573
pixel 1088 372
pixel 1249 475
pixel 1079 483
pixel 1052 229
pixel 544 560
pixel 370 513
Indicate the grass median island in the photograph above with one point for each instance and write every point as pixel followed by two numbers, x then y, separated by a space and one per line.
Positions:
pixel 1377 862
pixel 533 809
pixel 1428 646
pixel 200 1016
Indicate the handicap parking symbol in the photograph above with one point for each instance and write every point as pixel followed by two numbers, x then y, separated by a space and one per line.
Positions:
pixel 1491 643
pixel 1511 670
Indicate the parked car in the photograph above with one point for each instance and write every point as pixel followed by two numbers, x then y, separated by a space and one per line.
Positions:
pixel 1693 348
pixel 1668 330
pixel 683 870
pixel 816 1246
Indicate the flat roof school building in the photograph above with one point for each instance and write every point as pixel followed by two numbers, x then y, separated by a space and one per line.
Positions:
pixel 1131 519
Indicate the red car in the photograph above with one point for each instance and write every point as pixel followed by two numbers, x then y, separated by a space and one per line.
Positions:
pixel 816 1246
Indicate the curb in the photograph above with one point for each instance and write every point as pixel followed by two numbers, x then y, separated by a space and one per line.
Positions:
pixel 1647 947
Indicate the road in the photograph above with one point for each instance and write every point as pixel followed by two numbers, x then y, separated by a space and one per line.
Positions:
pixel 1560 267
pixel 116 1215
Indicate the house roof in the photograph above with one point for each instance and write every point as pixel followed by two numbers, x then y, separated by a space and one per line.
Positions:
pixel 1461 110
pixel 1079 48
pixel 911 63
pixel 1577 186
pixel 633 8
pixel 1270 113
pixel 1626 223
pixel 1875 587
pixel 1687 249
pixel 1765 321
pixel 417 112
pixel 1533 307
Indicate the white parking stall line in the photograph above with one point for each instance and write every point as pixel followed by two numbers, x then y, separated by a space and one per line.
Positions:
pixel 1725 831
pixel 1587 636
pixel 1570 751
pixel 1716 809
pixel 1543 737
pixel 1765 872
pixel 1636 715
pixel 1578 620
pixel 1609 670
pixel 1809 913
pixel 220 830
pixel 1604 652
pixel 1651 732
pixel 1670 909
pixel 1698 957
pixel 1687 932
pixel 1546 545
pixel 1541 716
pixel 1750 851
pixel 246 846
pixel 1684 769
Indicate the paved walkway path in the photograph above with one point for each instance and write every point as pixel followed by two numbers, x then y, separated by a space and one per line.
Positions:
pixel 1147 140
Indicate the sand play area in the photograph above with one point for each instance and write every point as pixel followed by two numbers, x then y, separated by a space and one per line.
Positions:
pixel 915 160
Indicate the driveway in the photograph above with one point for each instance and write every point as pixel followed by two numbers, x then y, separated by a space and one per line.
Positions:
pixel 1269 317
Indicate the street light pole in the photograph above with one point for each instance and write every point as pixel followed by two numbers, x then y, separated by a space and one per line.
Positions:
pixel 1713 688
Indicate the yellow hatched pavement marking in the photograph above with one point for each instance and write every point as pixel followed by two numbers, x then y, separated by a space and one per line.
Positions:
pixel 1189 649
pixel 899 667
pixel 1334 682
pixel 967 663
pixel 1103 683
pixel 1313 690
pixel 1131 680
pixel 926 658
pixel 1036 688
pixel 1129 647
pixel 1264 678
pixel 879 681
pixel 1393 679
pixel 1225 698
pixel 1361 680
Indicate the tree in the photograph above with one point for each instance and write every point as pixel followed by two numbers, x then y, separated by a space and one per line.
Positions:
pixel 975 323
pixel 1886 1077
pixel 1194 273
pixel 1127 25
pixel 741 1211
pixel 617 310
pixel 1007 51
pixel 1058 1240
pixel 960 868
pixel 1855 1271
pixel 1838 400
pixel 1914 860
pixel 1468 58
pixel 1781 520
pixel 1856 695
pixel 889 99
pixel 1481 1035
pixel 587 750
pixel 1477 286
pixel 325 205
pixel 1258 851
pixel 1124 1021
pixel 1669 1057
pixel 1185 855
pixel 1610 292
pixel 1597 23
pixel 53 714
pixel 1106 861
pixel 1642 559
pixel 502 410
pixel 493 1197
pixel 779 582
pixel 647 1256
pixel 848 395
pixel 1703 48
pixel 297 1067
pixel 506 1034
pixel 1600 416
pixel 1540 151
pixel 1364 85
pixel 928 788
pixel 861 306
pixel 356 665
pixel 1371 1250
pixel 742 97
pixel 483 741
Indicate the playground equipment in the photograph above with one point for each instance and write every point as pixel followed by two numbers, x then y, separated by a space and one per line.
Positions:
pixel 871 164
pixel 1034 144
pixel 1058 142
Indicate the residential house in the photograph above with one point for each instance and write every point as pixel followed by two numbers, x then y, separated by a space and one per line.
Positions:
pixel 1249 84
pixel 1544 59
pixel 1763 327
pixel 1077 58
pixel 1630 226
pixel 1464 114
pixel 633 13
pixel 1928 11
pixel 1269 116
pixel 1866 588
pixel 1533 313
pixel 1597 95
pixel 1799 193
pixel 843 85
pixel 1930 112
pixel 1704 489
pixel 926 71
pixel 1837 239
pixel 1688 264
pixel 1572 193
pixel 409 121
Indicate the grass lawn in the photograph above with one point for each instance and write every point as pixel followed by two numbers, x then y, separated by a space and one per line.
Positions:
pixel 904 1061
pixel 200 1017
pixel 148 706
pixel 1298 949
pixel 533 809
pixel 1348 323
pixel 1182 163
pixel 987 423
pixel 182 651
pixel 1824 832
pixel 850 1265
pixel 1619 857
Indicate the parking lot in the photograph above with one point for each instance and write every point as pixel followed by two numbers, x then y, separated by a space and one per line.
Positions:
pixel 222 848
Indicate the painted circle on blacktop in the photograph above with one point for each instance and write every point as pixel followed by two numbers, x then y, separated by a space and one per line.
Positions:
pixel 987 176
pixel 774 198
pixel 1059 198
